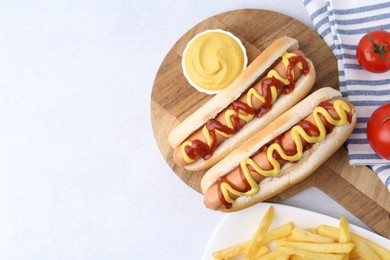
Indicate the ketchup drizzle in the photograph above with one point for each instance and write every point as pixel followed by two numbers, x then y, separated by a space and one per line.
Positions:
pixel 266 85
pixel 294 60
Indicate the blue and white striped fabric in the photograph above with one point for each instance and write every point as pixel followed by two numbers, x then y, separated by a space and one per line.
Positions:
pixel 342 24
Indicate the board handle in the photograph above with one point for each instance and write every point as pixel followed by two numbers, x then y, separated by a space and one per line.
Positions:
pixel 339 189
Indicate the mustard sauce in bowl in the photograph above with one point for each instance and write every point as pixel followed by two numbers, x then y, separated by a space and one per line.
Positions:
pixel 212 60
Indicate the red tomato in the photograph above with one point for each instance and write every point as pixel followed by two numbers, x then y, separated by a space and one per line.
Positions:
pixel 373 51
pixel 378 131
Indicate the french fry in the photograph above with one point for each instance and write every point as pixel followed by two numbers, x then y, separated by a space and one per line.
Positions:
pixel 261 231
pixel 296 257
pixel 334 232
pixel 329 231
pixel 335 248
pixel 354 254
pixel 304 254
pixel 344 234
pixel 312 230
pixel 231 251
pixel 365 252
pixel 306 236
pixel 379 250
pixel 263 250
pixel 278 233
pixel 274 255
pixel 238 250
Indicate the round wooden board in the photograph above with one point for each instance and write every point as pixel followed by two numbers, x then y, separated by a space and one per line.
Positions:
pixel 173 99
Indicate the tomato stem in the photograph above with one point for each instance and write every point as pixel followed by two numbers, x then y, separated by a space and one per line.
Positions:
pixel 379 49
pixel 384 120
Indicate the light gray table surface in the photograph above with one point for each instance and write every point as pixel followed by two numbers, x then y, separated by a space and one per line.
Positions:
pixel 81 176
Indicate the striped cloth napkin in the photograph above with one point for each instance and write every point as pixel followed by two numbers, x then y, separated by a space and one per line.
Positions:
pixel 342 24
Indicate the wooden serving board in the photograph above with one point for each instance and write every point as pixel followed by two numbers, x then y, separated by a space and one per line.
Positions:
pixel 356 188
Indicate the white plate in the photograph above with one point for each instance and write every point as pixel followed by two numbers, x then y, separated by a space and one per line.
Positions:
pixel 240 226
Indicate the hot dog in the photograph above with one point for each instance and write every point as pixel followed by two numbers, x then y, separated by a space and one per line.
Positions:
pixel 276 80
pixel 284 153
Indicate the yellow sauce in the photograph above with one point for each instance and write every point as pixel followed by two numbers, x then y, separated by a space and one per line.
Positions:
pixel 213 59
pixel 252 93
pixel 298 133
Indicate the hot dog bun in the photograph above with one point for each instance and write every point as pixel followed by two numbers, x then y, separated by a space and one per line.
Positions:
pixel 223 99
pixel 291 173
